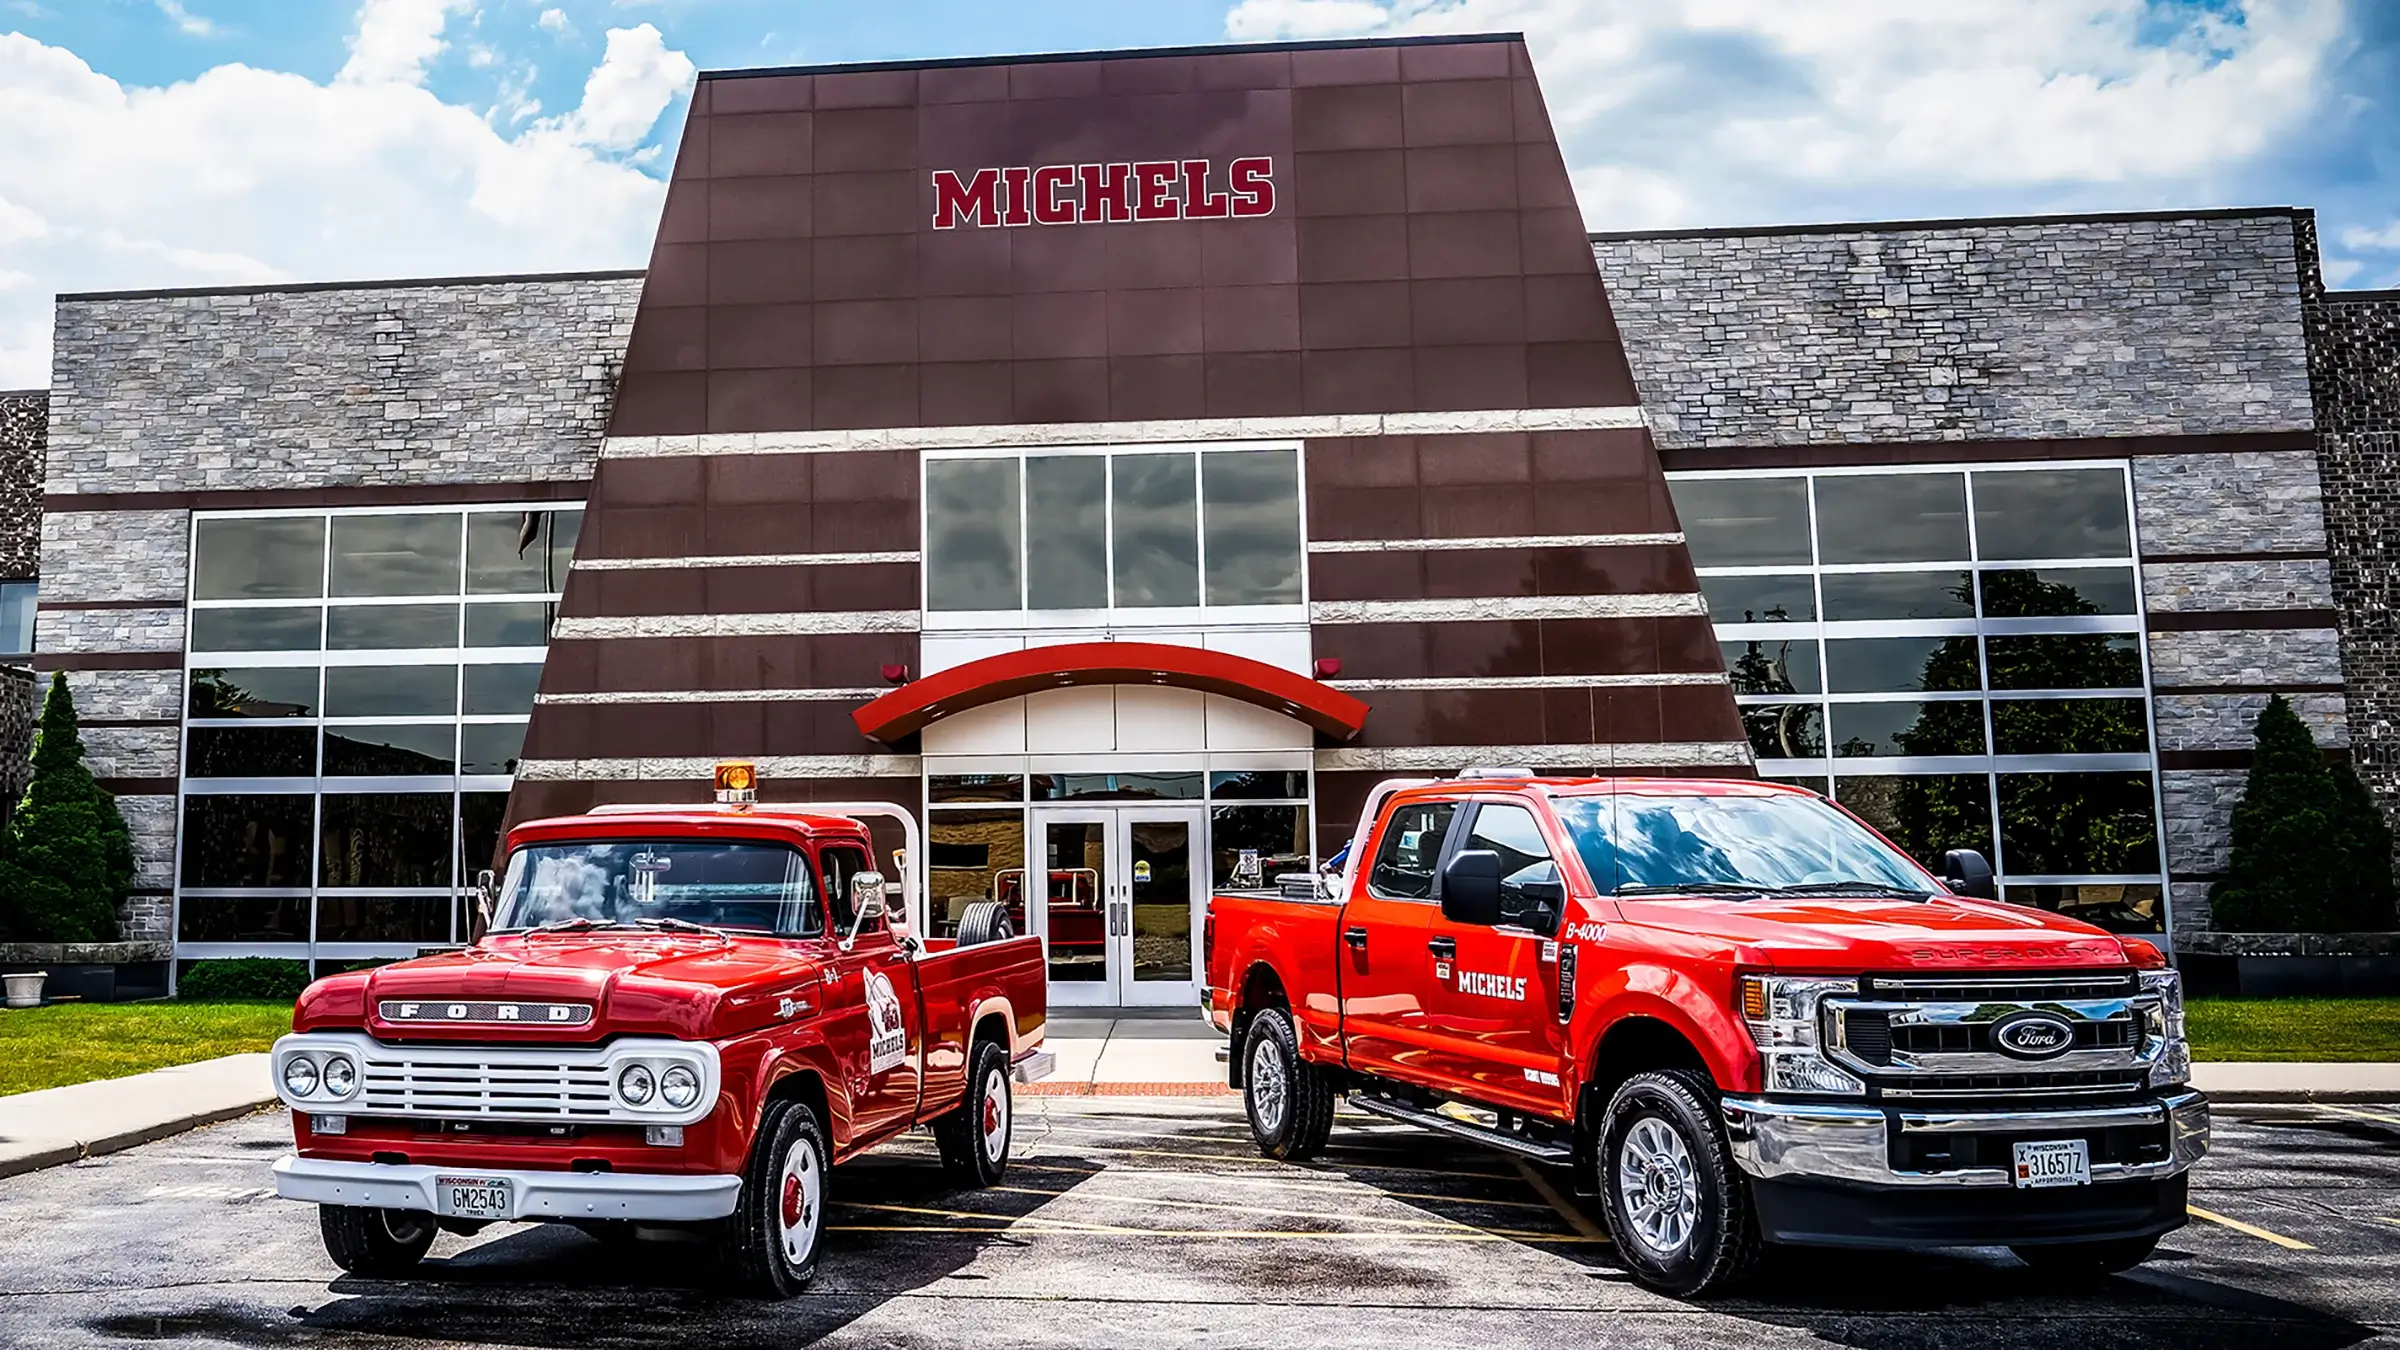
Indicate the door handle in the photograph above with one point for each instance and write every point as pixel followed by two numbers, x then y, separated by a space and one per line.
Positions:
pixel 1356 937
pixel 1443 947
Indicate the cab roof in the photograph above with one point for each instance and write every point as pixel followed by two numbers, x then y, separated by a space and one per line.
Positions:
pixel 1562 785
pixel 786 822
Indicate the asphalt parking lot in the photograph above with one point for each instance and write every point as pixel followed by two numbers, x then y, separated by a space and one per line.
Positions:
pixel 1153 1222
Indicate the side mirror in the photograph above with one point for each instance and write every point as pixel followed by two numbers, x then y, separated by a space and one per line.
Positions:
pixel 1533 897
pixel 1966 872
pixel 1471 887
pixel 487 894
pixel 866 897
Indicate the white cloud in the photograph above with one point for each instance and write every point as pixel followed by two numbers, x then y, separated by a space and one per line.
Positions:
pixel 2358 237
pixel 186 22
pixel 553 21
pixel 396 39
pixel 2338 271
pixel 245 175
pixel 1253 20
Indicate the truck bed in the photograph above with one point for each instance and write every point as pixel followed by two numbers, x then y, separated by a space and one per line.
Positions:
pixel 1306 934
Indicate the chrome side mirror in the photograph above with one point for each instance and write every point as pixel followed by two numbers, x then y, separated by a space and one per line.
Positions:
pixel 487 893
pixel 866 904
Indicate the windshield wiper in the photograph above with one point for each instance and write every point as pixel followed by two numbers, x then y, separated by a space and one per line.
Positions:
pixel 683 926
pixel 1693 888
pixel 576 924
pixel 1851 888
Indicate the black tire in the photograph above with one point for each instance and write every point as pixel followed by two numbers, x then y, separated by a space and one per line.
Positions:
pixel 381 1243
pixel 985 921
pixel 1660 1142
pixel 2087 1258
pixel 752 1248
pixel 1288 1099
pixel 975 1138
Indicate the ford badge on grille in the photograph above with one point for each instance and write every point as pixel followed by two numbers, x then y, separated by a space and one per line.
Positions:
pixel 546 1014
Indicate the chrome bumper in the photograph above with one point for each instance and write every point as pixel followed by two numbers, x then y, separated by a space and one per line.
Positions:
pixel 1836 1142
pixel 536 1195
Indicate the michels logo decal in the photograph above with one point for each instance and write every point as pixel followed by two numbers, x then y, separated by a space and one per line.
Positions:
pixel 1492 986
pixel 1096 194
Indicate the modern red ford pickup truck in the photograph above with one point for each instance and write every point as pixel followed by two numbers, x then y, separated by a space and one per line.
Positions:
pixel 680 1016
pixel 1740 1015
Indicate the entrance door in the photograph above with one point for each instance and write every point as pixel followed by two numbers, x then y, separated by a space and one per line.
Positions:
pixel 1121 892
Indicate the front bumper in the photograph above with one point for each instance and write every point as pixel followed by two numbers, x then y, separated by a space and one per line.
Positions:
pixel 651 1196
pixel 1774 1140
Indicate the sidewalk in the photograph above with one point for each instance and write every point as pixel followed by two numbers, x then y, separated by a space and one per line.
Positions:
pixel 1132 1057
pixel 83 1120
pixel 2232 1082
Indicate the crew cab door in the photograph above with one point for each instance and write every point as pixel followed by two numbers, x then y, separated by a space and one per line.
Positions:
pixel 878 1028
pixel 1382 957
pixel 1497 1031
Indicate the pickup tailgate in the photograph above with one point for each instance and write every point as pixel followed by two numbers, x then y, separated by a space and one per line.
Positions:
pixel 961 984
pixel 1254 936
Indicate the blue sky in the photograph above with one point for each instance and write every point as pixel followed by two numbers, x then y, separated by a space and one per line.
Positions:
pixel 193 142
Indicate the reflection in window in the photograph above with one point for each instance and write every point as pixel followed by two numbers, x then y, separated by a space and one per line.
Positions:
pixel 1259 785
pixel 383 918
pixel 495 691
pixel 971 524
pixel 17 604
pixel 264 691
pixel 1250 846
pixel 277 558
pixel 510 624
pixel 2066 661
pixel 2070 726
pixel 1744 522
pixel 1760 599
pixel 1926 814
pixel 386 839
pixel 2116 906
pixel 1900 665
pixel 1154 530
pixel 1868 730
pixel 490 747
pixel 479 818
pixel 1253 536
pixel 1115 787
pixel 1785 730
pixel 260 918
pixel 250 840
pixel 520 552
pixel 395 554
pixel 2050 592
pixel 391 691
pixel 975 787
pixel 387 752
pixel 384 627
pixel 251 752
pixel 1066 538
pixel 274 629
pixel 2051 513
pixel 1410 850
pixel 1898 595
pixel 972 856
pixel 1773 666
pixel 1909 517
pixel 2067 823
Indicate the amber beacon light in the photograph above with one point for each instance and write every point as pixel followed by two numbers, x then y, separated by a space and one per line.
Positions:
pixel 737 783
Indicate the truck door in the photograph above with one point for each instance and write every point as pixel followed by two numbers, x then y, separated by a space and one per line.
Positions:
pixel 1383 961
pixel 878 1029
pixel 1496 1029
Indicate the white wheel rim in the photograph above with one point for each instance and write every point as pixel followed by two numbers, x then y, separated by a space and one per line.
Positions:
pixel 800 1200
pixel 1657 1186
pixel 995 1116
pixel 1267 1085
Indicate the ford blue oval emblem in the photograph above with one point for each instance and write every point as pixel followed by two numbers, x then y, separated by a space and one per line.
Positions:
pixel 2034 1036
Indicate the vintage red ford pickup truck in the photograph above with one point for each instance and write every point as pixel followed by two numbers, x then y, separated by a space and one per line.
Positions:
pixel 680 1016
pixel 1739 1014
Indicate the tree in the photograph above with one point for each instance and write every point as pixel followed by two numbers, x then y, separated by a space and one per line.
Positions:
pixel 67 859
pixel 2311 854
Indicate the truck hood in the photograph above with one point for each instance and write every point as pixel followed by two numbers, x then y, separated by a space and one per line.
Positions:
pixel 1851 935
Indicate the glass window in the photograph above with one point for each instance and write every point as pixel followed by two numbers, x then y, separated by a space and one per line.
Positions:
pixel 1411 851
pixel 259 918
pixel 1155 530
pixel 2066 661
pixel 395 555
pixel 263 691
pixel 394 751
pixel 274 629
pixel 516 623
pixel 1898 595
pixel 1511 832
pixel 2051 591
pixel 500 690
pixel 2119 907
pixel 1773 599
pixel 490 747
pixel 2070 726
pixel 1259 785
pixel 1897 665
pixel 1066 538
pixel 2052 513
pixel 972 856
pixel 1107 787
pixel 759 886
pixel 1785 730
pixel 520 552
pixel 840 865
pixel 1744 522
pixel 1926 814
pixel 1773 666
pixel 1866 730
pixel 975 787
pixel 365 627
pixel 274 559
pixel 383 918
pixel 374 839
pixel 1906 517
pixel 252 840
pixel 1634 840
pixel 391 691
pixel 1251 845
pixel 17 605
pixel 2062 824
pixel 1252 500
pixel 251 752
pixel 480 815
pixel 971 534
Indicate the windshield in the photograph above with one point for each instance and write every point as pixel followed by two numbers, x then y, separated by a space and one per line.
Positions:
pixel 754 886
pixel 1636 841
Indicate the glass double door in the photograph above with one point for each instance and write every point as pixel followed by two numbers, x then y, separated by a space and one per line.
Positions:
pixel 1119 898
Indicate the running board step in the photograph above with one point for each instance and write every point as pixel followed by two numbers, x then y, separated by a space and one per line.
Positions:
pixel 1434 1120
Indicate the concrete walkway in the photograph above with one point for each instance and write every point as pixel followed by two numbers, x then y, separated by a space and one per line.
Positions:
pixel 1132 1056
pixel 2301 1082
pixel 82 1120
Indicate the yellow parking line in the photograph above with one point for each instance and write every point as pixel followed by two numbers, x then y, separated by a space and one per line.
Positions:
pixel 1575 1218
pixel 2353 1111
pixel 2252 1229
pixel 2394 1222
pixel 1281 1184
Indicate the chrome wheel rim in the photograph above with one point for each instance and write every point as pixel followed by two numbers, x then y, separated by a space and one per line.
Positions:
pixel 800 1200
pixel 1657 1186
pixel 1267 1086
pixel 995 1116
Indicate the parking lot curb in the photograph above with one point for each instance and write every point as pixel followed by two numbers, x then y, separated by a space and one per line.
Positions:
pixel 19 1157
pixel 53 1126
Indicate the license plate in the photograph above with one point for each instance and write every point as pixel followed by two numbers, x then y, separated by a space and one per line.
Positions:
pixel 471 1198
pixel 2054 1162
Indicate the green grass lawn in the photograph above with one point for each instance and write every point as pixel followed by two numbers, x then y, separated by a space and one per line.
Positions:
pixel 77 1042
pixel 2294 1028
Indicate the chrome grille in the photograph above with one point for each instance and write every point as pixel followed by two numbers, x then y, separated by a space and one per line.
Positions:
pixel 1934 1037
pixel 2045 987
pixel 1966 1086
pixel 501 1085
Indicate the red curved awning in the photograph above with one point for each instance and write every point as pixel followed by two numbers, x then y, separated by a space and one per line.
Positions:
pixel 907 709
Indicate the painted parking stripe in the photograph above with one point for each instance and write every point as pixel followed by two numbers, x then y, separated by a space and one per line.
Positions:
pixel 2252 1229
pixel 1576 1218
pixel 2362 1115
pixel 1270 1162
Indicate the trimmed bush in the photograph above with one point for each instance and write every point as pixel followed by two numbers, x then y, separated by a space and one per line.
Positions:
pixel 67 859
pixel 2311 854
pixel 257 978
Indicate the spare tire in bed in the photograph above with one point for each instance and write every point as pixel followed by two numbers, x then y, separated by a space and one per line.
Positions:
pixel 985 921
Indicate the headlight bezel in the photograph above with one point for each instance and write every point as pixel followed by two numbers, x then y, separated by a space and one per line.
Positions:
pixel 1784 1016
pixel 679 1086
pixel 648 1080
pixel 316 1077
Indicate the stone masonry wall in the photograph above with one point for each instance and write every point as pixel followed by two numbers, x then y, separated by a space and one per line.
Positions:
pixel 2101 327
pixel 2355 362
pixel 24 431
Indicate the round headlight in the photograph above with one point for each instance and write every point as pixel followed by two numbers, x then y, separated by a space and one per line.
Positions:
pixel 636 1085
pixel 340 1075
pixel 679 1085
pixel 300 1075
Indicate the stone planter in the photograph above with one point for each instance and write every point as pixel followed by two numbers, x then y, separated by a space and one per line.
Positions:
pixel 2288 965
pixel 25 990
pixel 93 972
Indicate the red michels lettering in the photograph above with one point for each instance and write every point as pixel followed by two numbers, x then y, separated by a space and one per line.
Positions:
pixel 1098 194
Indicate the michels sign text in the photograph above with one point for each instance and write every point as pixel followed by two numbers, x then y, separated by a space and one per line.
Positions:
pixel 1093 194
